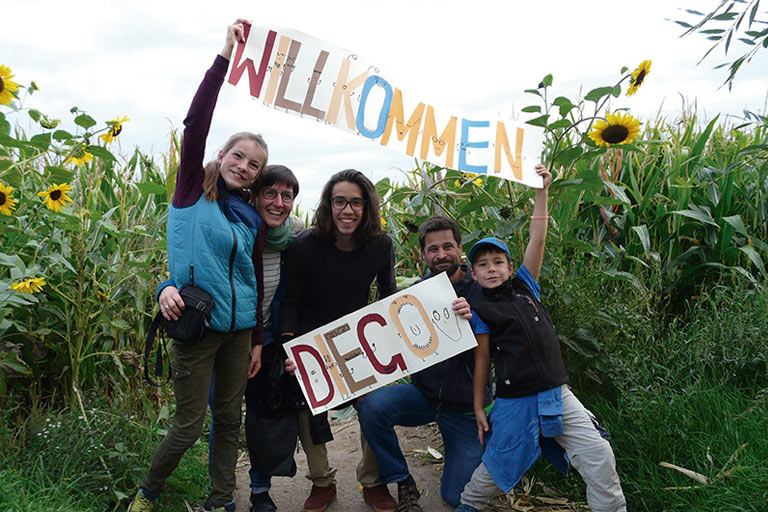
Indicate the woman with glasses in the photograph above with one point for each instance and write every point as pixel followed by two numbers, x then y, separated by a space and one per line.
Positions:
pixel 329 272
pixel 273 401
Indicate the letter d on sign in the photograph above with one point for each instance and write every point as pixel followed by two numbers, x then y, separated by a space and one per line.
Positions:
pixel 313 401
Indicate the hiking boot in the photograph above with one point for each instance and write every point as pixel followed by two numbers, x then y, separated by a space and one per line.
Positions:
pixel 141 503
pixel 379 498
pixel 261 502
pixel 408 496
pixel 320 498
pixel 208 506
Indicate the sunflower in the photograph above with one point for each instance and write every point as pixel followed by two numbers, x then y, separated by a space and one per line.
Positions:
pixel 79 157
pixel 31 285
pixel 638 76
pixel 469 178
pixel 618 128
pixel 115 127
pixel 7 203
pixel 56 196
pixel 7 86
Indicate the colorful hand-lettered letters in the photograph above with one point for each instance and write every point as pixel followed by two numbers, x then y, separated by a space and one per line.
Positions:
pixel 299 74
pixel 376 345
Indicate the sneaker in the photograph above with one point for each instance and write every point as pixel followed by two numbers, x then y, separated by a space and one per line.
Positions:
pixel 379 498
pixel 141 503
pixel 320 498
pixel 261 502
pixel 408 496
pixel 208 506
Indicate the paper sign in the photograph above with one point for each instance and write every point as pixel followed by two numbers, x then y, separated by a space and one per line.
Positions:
pixel 302 75
pixel 385 341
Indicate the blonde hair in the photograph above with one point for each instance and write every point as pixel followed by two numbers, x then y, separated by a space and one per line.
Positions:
pixel 212 167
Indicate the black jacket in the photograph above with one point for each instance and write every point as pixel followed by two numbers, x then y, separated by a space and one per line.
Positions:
pixel 524 344
pixel 449 383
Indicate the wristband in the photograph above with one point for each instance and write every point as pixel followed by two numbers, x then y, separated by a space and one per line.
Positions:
pixel 539 217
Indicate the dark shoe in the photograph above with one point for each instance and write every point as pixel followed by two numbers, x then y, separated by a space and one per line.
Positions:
pixel 320 498
pixel 465 508
pixel 208 506
pixel 408 496
pixel 379 498
pixel 261 502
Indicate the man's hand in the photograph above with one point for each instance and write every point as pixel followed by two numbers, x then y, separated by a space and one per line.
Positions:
pixel 461 308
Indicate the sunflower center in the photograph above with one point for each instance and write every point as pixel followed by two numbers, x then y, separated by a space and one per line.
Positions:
pixel 640 78
pixel 2 198
pixel 55 195
pixel 116 130
pixel 2 84
pixel 615 133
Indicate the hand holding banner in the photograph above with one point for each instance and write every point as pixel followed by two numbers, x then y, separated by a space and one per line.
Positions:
pixel 376 345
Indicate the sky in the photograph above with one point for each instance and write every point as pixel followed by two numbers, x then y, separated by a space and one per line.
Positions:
pixel 145 59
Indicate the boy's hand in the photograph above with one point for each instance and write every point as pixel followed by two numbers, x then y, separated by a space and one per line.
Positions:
pixel 545 174
pixel 461 308
pixel 290 366
pixel 482 424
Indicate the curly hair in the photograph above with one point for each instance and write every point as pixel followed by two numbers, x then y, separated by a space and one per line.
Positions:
pixel 212 167
pixel 370 226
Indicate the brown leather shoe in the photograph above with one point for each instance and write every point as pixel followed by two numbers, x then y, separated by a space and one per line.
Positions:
pixel 379 498
pixel 320 498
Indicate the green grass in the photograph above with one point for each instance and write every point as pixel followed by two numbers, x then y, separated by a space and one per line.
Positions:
pixel 59 461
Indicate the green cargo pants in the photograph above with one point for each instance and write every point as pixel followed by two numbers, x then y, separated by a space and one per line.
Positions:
pixel 192 366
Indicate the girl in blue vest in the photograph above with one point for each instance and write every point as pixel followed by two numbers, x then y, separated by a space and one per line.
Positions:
pixel 215 242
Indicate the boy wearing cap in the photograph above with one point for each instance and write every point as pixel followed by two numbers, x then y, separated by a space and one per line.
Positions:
pixel 535 412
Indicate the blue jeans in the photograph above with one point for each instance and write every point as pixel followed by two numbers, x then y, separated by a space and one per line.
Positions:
pixel 405 405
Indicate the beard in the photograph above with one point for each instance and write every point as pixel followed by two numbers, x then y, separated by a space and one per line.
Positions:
pixel 454 266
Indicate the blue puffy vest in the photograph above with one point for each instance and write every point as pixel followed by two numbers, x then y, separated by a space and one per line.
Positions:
pixel 211 243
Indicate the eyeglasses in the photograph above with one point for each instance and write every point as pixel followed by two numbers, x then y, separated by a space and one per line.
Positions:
pixel 270 193
pixel 341 202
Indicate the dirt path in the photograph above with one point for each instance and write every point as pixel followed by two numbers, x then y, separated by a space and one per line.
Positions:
pixel 344 454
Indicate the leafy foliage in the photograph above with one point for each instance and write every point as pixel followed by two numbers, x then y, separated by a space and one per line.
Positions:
pixel 735 20
pixel 99 255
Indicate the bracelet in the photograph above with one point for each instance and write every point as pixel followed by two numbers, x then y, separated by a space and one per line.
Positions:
pixel 539 217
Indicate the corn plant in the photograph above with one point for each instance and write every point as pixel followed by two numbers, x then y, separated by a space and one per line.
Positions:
pixel 82 247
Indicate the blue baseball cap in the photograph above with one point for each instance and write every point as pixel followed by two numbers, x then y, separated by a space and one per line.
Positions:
pixel 492 241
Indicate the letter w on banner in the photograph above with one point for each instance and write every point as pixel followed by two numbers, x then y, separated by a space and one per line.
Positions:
pixel 376 345
pixel 302 75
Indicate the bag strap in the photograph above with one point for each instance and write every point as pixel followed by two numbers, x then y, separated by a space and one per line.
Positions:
pixel 153 329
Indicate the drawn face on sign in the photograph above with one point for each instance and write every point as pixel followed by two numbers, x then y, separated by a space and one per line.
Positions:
pixel 413 325
pixel 445 320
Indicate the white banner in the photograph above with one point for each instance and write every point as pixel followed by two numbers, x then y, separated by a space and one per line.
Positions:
pixel 376 345
pixel 299 74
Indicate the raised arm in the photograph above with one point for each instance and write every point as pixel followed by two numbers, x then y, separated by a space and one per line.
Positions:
pixel 197 124
pixel 534 252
